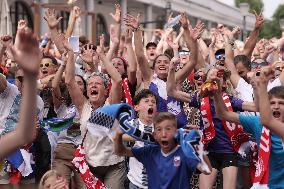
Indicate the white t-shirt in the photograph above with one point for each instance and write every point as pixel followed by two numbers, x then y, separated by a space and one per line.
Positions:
pixel 137 172
pixel 10 102
pixel 245 89
pixel 100 147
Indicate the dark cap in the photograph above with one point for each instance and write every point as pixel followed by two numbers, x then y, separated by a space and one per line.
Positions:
pixel 220 51
pixel 151 44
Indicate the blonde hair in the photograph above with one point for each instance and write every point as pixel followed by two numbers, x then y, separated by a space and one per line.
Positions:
pixel 46 176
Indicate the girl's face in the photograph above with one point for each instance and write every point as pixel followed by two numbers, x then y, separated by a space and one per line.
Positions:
pixel 162 66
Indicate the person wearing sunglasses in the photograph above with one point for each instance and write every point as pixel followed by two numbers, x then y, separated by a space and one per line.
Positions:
pixel 220 57
pixel 48 66
pixel 184 55
pixel 258 63
pixel 278 66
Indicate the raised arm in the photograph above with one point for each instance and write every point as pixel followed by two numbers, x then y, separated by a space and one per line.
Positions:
pixel 76 12
pixel 56 93
pixel 133 23
pixel 266 116
pixel 172 86
pixel 52 22
pixel 252 40
pixel 27 55
pixel 76 94
pixel 229 61
pixel 115 93
pixel 191 40
pixel 130 56
pixel 222 110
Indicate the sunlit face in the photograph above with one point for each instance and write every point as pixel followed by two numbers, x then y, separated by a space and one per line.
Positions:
pixel 277 107
pixel 242 70
pixel 147 107
pixel 80 83
pixel 118 64
pixel 47 67
pixel 10 63
pixel 151 53
pixel 96 90
pixel 162 66
pixel 164 134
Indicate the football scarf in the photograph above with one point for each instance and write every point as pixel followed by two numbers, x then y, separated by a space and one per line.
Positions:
pixel 58 124
pixel 126 90
pixel 239 139
pixel 261 168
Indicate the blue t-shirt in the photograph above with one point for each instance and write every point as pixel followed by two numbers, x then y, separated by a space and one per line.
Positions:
pixel 166 171
pixel 252 125
pixel 221 142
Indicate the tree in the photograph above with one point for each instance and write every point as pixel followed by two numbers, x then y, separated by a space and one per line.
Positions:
pixel 256 5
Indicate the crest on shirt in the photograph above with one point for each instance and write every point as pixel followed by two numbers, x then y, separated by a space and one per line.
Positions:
pixel 177 161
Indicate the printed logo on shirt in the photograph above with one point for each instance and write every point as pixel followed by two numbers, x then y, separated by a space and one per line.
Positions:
pixel 177 161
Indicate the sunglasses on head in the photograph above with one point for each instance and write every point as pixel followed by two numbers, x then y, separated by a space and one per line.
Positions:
pixel 219 56
pixel 183 52
pixel 47 65
pixel 279 68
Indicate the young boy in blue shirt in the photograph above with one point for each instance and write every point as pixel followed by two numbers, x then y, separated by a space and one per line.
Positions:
pixel 166 164
pixel 272 112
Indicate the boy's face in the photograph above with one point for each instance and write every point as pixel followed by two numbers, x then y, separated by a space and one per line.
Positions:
pixel 147 107
pixel 164 134
pixel 277 106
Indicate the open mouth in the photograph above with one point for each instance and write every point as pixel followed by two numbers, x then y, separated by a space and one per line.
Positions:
pixel 152 54
pixel 150 111
pixel 165 143
pixel 44 72
pixel 162 68
pixel 94 92
pixel 199 83
pixel 276 114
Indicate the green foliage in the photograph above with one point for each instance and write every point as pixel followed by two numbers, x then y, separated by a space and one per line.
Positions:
pixel 256 5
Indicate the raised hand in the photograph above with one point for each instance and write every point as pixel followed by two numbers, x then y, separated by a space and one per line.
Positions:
pixel 68 47
pixel 88 52
pixel 117 15
pixel 101 47
pixel 259 19
pixel 236 32
pixel 266 74
pixel 77 12
pixel 184 21
pixel 196 32
pixel 174 62
pixel 51 19
pixel 22 24
pixel 172 44
pixel 131 21
pixel 128 36
pixel 6 40
pixel 27 53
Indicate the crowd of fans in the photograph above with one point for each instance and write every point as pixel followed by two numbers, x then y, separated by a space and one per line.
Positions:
pixel 181 80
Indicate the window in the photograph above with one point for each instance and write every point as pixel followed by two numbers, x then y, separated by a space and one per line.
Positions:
pixel 20 10
pixel 101 28
pixel 63 24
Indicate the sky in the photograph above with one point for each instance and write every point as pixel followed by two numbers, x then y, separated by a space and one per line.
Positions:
pixel 269 6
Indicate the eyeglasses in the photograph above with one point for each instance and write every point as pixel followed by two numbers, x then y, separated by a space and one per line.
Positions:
pixel 219 56
pixel 20 78
pixel 47 65
pixel 258 65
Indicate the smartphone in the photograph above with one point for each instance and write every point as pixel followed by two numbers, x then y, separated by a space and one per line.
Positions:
pixel 74 42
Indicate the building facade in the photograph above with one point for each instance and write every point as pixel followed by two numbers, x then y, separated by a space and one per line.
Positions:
pixel 96 19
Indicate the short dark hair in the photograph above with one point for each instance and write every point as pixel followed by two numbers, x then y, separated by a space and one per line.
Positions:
pixel 151 44
pixel 144 93
pixel 244 60
pixel 54 61
pixel 162 116
pixel 277 92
